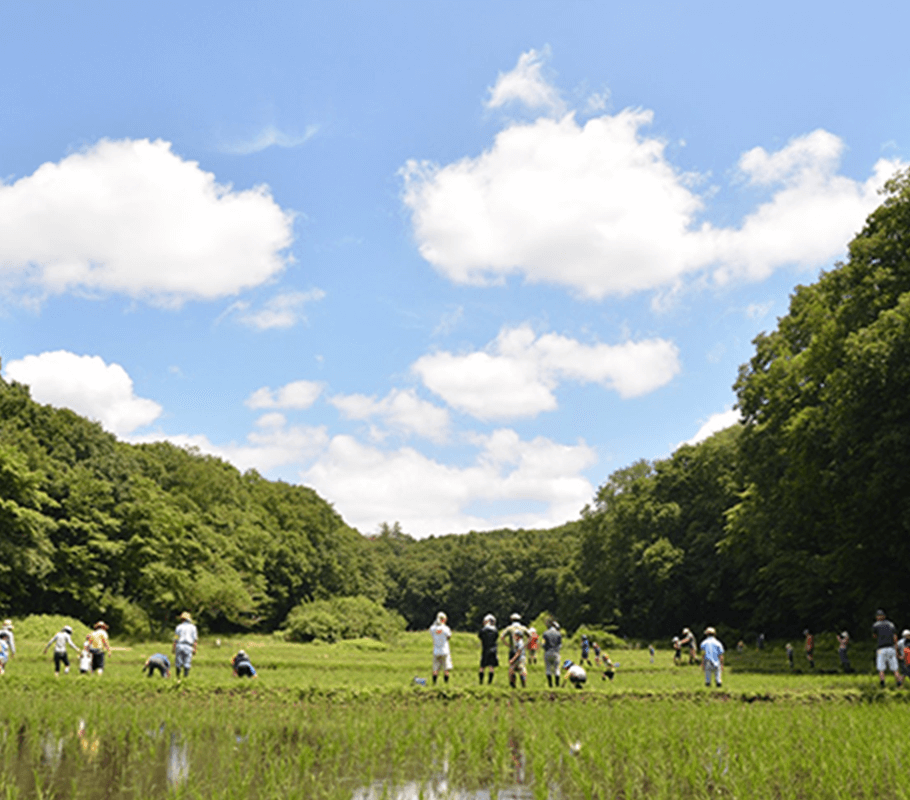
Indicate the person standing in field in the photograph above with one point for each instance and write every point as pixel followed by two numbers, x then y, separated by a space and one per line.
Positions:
pixel 533 645
pixel 552 644
pixel 789 649
pixel 843 640
pixel 186 640
pixel 99 645
pixel 442 654
pixel 712 658
pixel 518 660
pixel 687 640
pixel 489 641
pixel 4 651
pixel 810 648
pixel 85 657
pixel 61 641
pixel 158 662
pixel 677 651
pixel 508 636
pixel 885 635
pixel 8 627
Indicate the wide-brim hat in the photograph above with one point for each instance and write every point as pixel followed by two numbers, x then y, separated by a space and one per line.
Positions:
pixel 515 616
pixel 710 631
pixel 7 623
pixel 186 616
pixel 100 624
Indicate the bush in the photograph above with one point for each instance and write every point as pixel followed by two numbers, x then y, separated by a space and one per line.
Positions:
pixel 341 618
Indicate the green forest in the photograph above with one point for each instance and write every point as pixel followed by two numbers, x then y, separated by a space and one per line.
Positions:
pixel 799 517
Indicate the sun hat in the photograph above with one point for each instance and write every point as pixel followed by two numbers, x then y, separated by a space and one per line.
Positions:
pixel 710 631
pixel 100 624
pixel 489 618
pixel 441 617
pixel 905 633
pixel 7 623
pixel 567 663
pixel 67 628
pixel 515 616
pixel 186 616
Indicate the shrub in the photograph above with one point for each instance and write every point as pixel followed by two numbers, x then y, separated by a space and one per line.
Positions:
pixel 341 618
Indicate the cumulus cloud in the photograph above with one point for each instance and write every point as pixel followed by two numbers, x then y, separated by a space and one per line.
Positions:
pixel 714 423
pixel 540 480
pixel 281 311
pixel 133 218
pixel 297 395
pixel 401 410
pixel 517 374
pixel 599 208
pixel 525 84
pixel 86 385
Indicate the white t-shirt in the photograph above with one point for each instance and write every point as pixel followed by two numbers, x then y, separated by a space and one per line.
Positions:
pixel 441 635
pixel 186 633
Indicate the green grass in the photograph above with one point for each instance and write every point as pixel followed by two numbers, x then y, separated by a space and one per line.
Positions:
pixel 346 721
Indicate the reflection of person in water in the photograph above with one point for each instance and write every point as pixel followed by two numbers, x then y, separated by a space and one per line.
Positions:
pixel 243 668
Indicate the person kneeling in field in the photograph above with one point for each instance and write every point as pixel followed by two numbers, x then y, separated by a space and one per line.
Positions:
pixel 159 662
pixel 575 674
pixel 242 666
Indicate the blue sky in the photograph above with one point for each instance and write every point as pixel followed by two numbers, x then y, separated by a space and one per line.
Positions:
pixel 449 264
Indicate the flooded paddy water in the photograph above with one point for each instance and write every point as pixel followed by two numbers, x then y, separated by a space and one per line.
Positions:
pixel 424 744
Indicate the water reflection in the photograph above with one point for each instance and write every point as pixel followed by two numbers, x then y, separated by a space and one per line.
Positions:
pixel 178 762
pixel 437 790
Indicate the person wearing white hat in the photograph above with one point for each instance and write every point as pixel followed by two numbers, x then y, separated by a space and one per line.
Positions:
pixel 186 639
pixel 507 635
pixel 712 657
pixel 489 641
pixel 843 640
pixel 61 641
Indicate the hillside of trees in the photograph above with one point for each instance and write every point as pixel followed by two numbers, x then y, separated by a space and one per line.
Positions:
pixel 799 517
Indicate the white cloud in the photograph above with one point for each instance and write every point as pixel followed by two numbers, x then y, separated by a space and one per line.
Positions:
pixel 131 217
pixel 600 209
pixel 526 85
pixel 281 311
pixel 296 395
pixel 370 486
pixel 401 410
pixel 716 422
pixel 270 136
pixel 86 385
pixel 272 445
pixel 517 374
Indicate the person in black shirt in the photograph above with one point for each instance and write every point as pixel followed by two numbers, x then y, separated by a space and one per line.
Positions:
pixel 489 638
pixel 885 635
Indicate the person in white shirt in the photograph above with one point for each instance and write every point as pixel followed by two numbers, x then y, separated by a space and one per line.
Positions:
pixel 186 638
pixel 61 641
pixel 11 640
pixel 575 673
pixel 442 655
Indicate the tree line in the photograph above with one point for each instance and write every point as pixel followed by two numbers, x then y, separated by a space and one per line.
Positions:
pixel 798 517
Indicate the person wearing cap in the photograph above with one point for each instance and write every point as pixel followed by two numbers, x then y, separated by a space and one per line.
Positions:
pixel 159 662
pixel 61 641
pixel 489 641
pixel 99 645
pixel 585 651
pixel 575 673
pixel 186 638
pixel 442 654
pixel 843 640
pixel 885 635
pixel 8 627
pixel 712 657
pixel 242 666
pixel 552 644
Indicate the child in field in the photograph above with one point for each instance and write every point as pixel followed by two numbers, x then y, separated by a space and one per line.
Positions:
pixel 518 660
pixel 609 667
pixel 242 666
pixel 596 648
pixel 533 645
pixel 677 651
pixel 85 658
pixel 585 651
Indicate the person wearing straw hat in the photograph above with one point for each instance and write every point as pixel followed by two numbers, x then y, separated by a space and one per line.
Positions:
pixel 186 638
pixel 712 657
pixel 99 645
pixel 61 641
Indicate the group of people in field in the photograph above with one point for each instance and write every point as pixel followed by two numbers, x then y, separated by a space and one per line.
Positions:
pixel 709 654
pixel 97 647
pixel 523 645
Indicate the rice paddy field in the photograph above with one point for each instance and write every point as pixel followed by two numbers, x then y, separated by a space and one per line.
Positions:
pixel 349 721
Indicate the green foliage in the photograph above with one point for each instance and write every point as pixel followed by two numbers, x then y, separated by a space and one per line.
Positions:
pixel 341 618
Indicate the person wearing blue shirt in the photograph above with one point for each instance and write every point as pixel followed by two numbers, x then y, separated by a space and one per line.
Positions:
pixel 712 657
